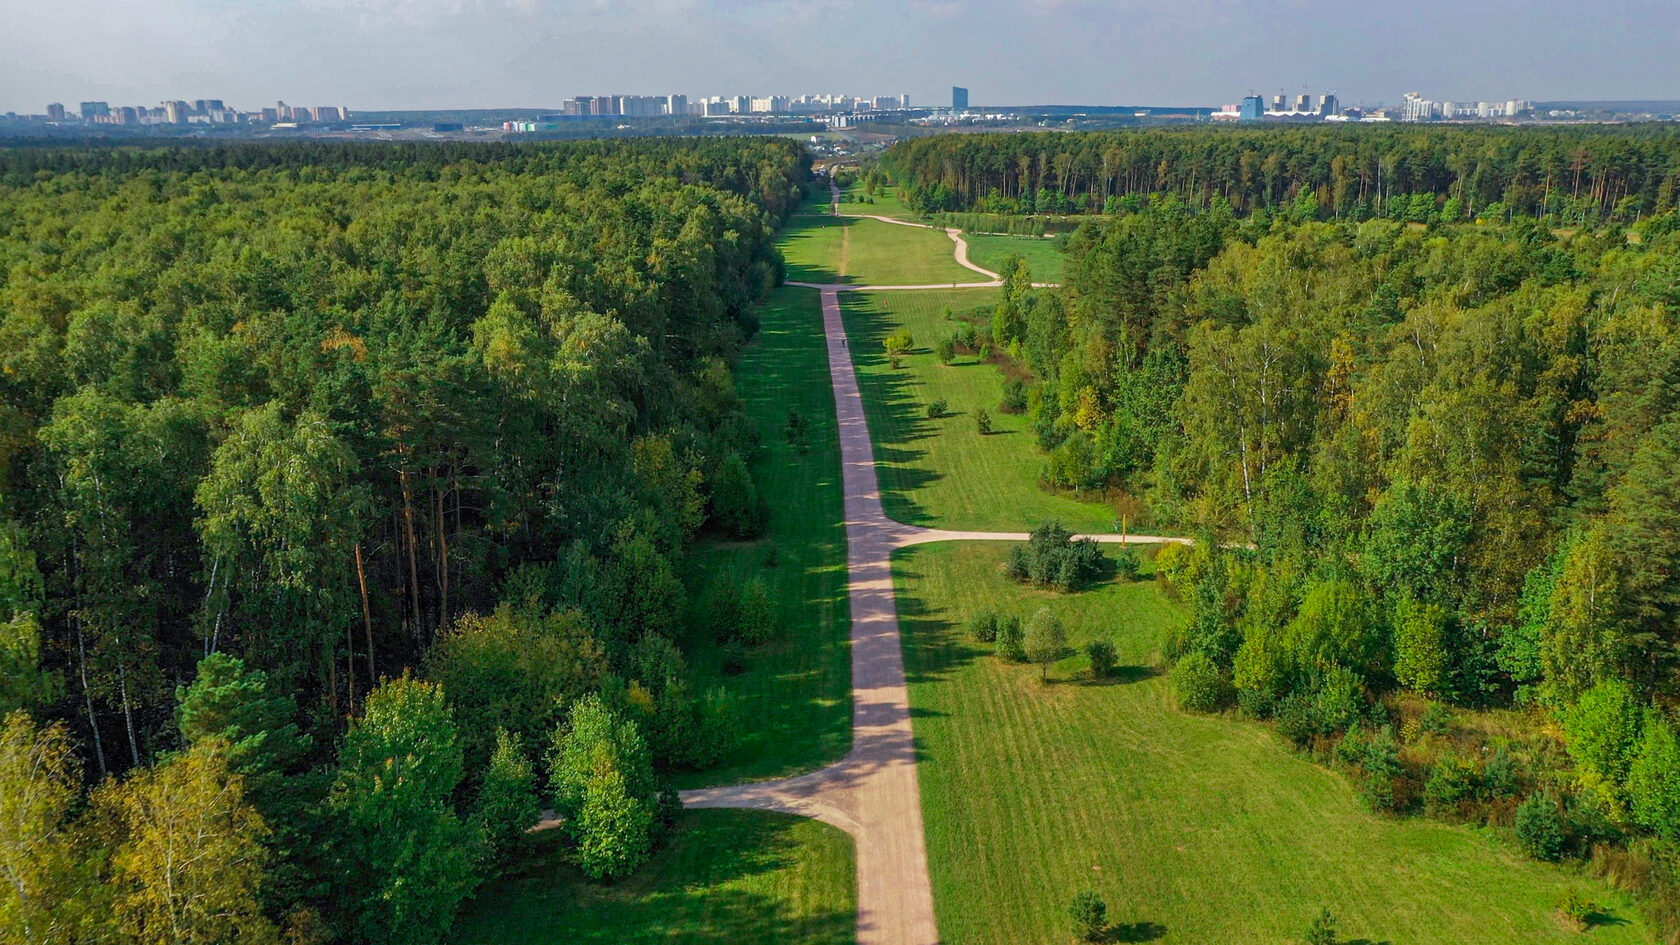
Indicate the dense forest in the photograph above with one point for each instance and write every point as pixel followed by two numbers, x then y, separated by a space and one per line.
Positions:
pixel 1433 463
pixel 342 488
pixel 1576 175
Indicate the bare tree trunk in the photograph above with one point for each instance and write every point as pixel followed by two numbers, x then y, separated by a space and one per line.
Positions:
pixel 87 696
pixel 128 714
pixel 367 614
pixel 413 555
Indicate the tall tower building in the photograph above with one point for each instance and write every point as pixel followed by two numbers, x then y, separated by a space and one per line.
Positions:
pixel 55 111
pixel 959 98
pixel 1253 108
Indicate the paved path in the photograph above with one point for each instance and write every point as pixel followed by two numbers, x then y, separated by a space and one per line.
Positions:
pixel 873 793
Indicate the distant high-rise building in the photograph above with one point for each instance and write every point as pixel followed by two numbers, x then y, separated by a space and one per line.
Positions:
pixel 55 111
pixel 1253 108
pixel 126 115
pixel 1327 105
pixel 1277 102
pixel 177 112
pixel 676 104
pixel 904 100
pixel 92 110
pixel 1303 102
pixel 1417 108
pixel 959 98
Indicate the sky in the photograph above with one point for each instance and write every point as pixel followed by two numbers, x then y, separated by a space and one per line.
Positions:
pixel 397 54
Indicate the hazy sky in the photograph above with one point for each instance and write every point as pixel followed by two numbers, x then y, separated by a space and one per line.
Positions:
pixel 372 54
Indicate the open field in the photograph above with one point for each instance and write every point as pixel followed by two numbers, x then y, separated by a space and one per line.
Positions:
pixel 886 203
pixel 728 877
pixel 993 252
pixel 943 472
pixel 796 691
pixel 869 252
pixel 1195 829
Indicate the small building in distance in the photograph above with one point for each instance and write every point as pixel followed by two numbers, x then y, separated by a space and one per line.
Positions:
pixel 959 98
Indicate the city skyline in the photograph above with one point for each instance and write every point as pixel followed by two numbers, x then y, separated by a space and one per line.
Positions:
pixel 410 54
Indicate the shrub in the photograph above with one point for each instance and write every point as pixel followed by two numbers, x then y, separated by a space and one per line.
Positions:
pixel 1436 720
pixel 723 611
pixel 720 726
pixel 1089 914
pixel 899 343
pixel 1295 719
pixel 1653 784
pixel 1540 828
pixel 1339 701
pixel 1603 731
pixel 1011 642
pixel 732 658
pixel 983 422
pixel 1501 776
pixel 1322 931
pixel 1453 784
pixel 737 506
pixel 946 350
pixel 1014 396
pixel 1383 771
pixel 1199 684
pixel 936 409
pixel 1103 658
pixel 983 626
pixel 1421 656
pixel 758 614
pixel 1577 909
pixel 1051 558
pixel 1127 565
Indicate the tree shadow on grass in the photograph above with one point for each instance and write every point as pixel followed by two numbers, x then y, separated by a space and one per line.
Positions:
pixel 1121 676
pixel 1134 932
pixel 933 647
pixel 679 896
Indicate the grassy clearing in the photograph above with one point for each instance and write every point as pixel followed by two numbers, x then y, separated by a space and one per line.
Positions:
pixel 817 202
pixel 1195 829
pixel 727 877
pixel 943 472
pixel 796 691
pixel 869 252
pixel 993 252
pixel 886 203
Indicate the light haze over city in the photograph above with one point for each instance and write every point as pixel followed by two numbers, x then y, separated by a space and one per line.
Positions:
pixel 374 54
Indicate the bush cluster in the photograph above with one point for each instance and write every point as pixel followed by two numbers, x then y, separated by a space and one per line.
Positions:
pixel 1052 558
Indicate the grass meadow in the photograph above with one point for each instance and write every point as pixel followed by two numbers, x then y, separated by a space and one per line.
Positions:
pixel 993 252
pixel 943 472
pixel 886 203
pixel 727 877
pixel 1195 829
pixel 851 251
pixel 796 691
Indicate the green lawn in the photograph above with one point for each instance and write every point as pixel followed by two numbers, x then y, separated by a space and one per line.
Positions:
pixel 726 878
pixel 886 203
pixel 943 472
pixel 797 691
pixel 853 251
pixel 1195 829
pixel 993 252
